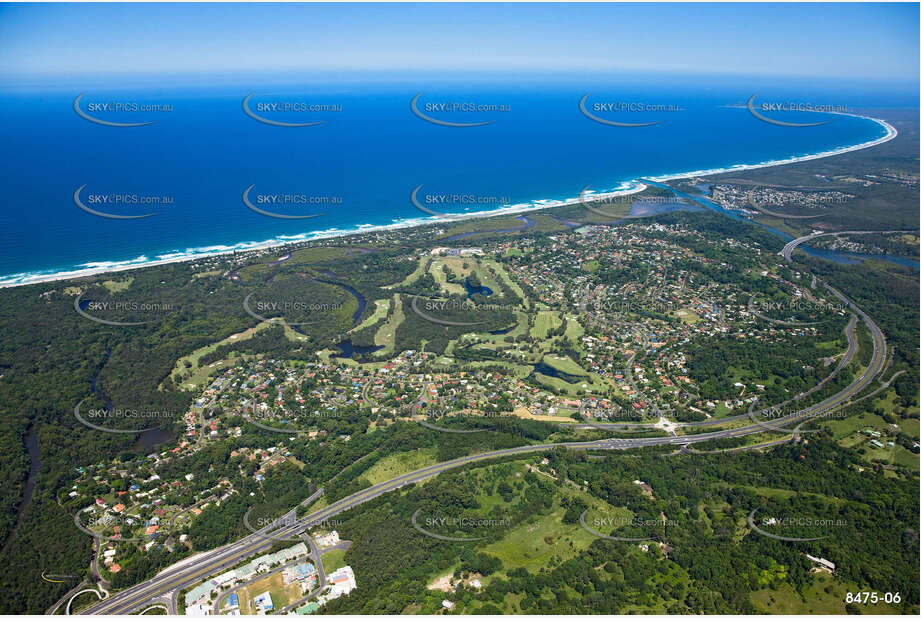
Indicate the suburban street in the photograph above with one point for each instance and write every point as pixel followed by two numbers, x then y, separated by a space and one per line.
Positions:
pixel 163 586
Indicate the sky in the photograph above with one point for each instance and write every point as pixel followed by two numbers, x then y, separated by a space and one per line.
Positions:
pixel 831 40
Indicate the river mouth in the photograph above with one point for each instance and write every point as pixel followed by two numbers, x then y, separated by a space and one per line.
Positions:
pixel 839 257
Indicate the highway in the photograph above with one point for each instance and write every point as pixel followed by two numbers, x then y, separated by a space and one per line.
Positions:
pixel 850 334
pixel 787 251
pixel 163 586
pixel 321 578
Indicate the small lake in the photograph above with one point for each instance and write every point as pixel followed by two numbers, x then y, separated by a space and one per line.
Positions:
pixel 476 289
pixel 348 349
pixel 147 440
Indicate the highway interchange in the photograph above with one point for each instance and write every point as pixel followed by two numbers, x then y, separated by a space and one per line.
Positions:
pixel 165 586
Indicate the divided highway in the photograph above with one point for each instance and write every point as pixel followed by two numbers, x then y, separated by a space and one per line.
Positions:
pixel 787 251
pixel 191 571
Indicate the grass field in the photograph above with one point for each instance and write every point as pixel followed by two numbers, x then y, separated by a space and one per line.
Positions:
pixel 574 330
pixel 572 390
pixel 118 286
pixel 455 265
pixel 313 255
pixel 532 545
pixel 421 267
pixel 544 322
pixel 503 274
pixel 857 422
pixel 773 492
pixel 687 316
pixel 274 584
pixel 201 374
pixel 399 463
pixel 559 418
pixel 564 364
pixel 896 455
pixel 381 307
pixel 825 596
pixel 333 559
pixel 386 334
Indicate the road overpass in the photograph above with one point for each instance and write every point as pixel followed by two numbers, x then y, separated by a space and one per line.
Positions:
pixel 165 585
pixel 787 251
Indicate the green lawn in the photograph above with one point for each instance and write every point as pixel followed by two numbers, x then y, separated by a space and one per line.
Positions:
pixel 574 330
pixel 564 364
pixel 857 422
pixel 543 323
pixel 824 596
pixel 532 545
pixel 201 374
pixel 421 267
pixel 332 560
pixel 687 316
pixel 119 285
pixel 455 265
pixel 386 334
pixel 394 465
pixel 381 307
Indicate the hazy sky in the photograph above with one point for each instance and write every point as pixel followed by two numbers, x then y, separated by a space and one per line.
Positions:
pixel 858 41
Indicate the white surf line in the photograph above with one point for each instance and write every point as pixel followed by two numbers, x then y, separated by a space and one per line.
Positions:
pixel 629 188
pixel 891 133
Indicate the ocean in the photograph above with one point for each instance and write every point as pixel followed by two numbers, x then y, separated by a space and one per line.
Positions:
pixel 371 153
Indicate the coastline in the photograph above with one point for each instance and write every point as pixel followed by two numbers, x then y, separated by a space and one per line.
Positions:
pixel 625 188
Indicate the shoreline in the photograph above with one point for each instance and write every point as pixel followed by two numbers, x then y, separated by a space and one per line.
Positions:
pixel 628 187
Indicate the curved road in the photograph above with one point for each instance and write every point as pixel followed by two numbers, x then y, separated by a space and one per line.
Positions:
pixel 787 251
pixel 183 575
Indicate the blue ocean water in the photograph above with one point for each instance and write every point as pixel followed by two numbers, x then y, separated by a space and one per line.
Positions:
pixel 369 154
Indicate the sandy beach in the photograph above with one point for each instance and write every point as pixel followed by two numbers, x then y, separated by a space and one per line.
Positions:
pixel 625 188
